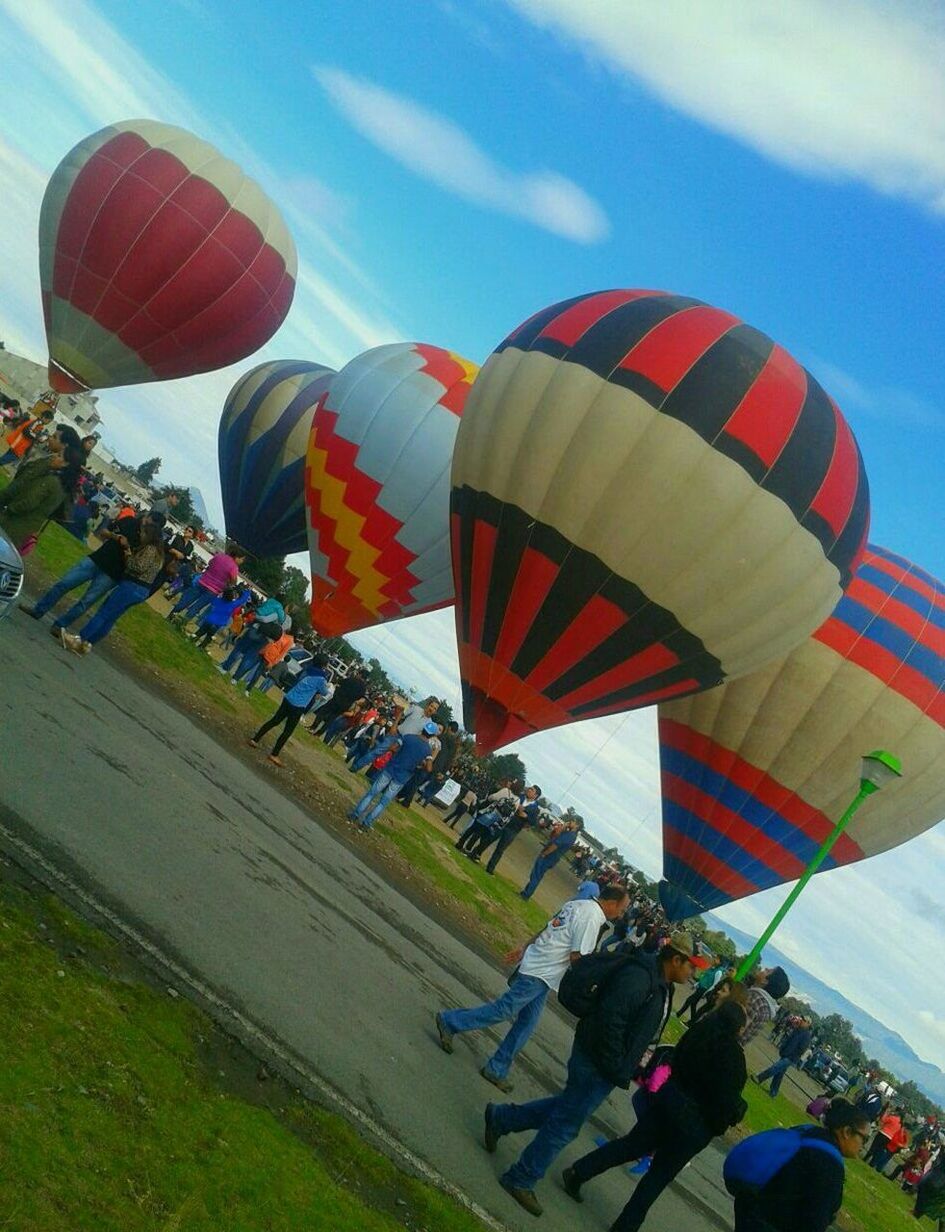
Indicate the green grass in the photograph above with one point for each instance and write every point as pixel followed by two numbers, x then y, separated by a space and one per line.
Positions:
pixel 430 849
pixel 111 1120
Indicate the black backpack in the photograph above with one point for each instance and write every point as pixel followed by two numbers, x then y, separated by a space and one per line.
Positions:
pixel 582 983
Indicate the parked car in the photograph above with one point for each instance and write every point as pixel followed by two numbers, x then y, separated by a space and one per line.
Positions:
pixel 11 576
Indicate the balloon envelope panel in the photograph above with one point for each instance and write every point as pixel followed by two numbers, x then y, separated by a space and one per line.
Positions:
pixel 158 258
pixel 377 486
pixel 263 436
pixel 648 497
pixel 756 773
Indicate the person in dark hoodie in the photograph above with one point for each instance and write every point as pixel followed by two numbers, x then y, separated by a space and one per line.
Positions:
pixel 793 1047
pixel 701 1098
pixel 628 1017
pixel 806 1194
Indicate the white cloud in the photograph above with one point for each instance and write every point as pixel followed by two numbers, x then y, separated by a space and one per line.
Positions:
pixel 885 403
pixel 440 151
pixel 845 89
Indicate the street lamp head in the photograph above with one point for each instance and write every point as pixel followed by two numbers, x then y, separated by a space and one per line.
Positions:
pixel 878 769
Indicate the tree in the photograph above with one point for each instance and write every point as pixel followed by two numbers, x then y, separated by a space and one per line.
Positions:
pixel 444 714
pixel 184 511
pixel 294 586
pixel 267 572
pixel 147 470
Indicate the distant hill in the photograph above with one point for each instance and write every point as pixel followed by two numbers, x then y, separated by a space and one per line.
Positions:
pixel 879 1041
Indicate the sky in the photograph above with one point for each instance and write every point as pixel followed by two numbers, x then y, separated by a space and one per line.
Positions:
pixel 448 167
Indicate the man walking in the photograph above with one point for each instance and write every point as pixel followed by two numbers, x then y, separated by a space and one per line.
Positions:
pixel 551 853
pixel 792 1049
pixel 628 1017
pixel 542 962
pixel 411 752
pixel 509 828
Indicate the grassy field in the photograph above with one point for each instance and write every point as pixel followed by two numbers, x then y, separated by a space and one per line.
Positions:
pixel 115 1117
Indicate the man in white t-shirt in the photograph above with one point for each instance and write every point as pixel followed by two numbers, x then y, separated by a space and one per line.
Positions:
pixel 542 962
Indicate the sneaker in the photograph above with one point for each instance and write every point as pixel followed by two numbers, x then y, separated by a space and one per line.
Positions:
pixel 56 631
pixel 445 1034
pixel 490 1136
pixel 524 1197
pixel 30 610
pixel 502 1083
pixel 222 670
pixel 572 1186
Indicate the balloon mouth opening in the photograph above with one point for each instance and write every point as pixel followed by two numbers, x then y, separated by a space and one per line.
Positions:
pixel 63 381
pixel 677 904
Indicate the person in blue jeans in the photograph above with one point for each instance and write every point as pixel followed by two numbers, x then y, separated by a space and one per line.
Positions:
pixel 411 751
pixel 790 1053
pixel 551 853
pixel 100 572
pixel 541 964
pixel 141 568
pixel 628 1016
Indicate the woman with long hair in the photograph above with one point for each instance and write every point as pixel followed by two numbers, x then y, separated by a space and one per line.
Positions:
pixel 142 565
pixel 701 1098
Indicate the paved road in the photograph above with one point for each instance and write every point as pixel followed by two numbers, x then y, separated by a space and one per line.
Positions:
pixel 209 860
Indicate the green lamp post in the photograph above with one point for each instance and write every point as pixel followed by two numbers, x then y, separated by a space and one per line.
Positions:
pixel 878 769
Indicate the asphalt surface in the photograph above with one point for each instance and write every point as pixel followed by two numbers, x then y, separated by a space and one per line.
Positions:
pixel 208 860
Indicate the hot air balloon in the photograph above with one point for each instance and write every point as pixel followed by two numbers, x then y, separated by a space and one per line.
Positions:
pixel 263 437
pixel 648 497
pixel 158 258
pixel 756 772
pixel 377 485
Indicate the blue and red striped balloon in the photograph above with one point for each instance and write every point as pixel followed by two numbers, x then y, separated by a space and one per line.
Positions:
pixel 756 773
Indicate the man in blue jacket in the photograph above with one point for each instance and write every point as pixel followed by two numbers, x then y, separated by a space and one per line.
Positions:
pixel 628 1017
pixel 792 1049
pixel 410 752
pixel 551 853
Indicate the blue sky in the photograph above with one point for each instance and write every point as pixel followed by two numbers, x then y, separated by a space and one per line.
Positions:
pixel 449 167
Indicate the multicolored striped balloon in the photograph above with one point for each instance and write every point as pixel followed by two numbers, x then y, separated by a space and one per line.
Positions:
pixel 756 773
pixel 649 497
pixel 262 441
pixel 158 258
pixel 377 485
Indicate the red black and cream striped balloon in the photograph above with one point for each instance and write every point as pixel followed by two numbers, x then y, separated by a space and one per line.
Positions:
pixel 648 497
pixel 158 258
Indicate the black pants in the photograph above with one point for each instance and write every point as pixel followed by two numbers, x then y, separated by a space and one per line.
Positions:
pixel 324 715
pixel 454 814
pixel 506 839
pixel 672 1129
pixel 691 1002
pixel 286 713
pixel 205 634
pixel 748 1217
pixel 470 837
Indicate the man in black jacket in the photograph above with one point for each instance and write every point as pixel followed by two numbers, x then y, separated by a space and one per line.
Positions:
pixel 628 1017
pixel 790 1053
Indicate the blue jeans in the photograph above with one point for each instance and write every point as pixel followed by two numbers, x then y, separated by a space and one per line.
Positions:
pixel 194 600
pixel 85 572
pixel 544 864
pixel 247 643
pixel 558 1120
pixel 521 1004
pixel 383 790
pixel 776 1073
pixel 124 596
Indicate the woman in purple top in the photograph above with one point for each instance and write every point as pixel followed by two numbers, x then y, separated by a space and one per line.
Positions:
pixel 221 572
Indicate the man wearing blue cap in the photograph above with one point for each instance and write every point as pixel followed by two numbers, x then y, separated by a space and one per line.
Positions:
pixel 409 752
